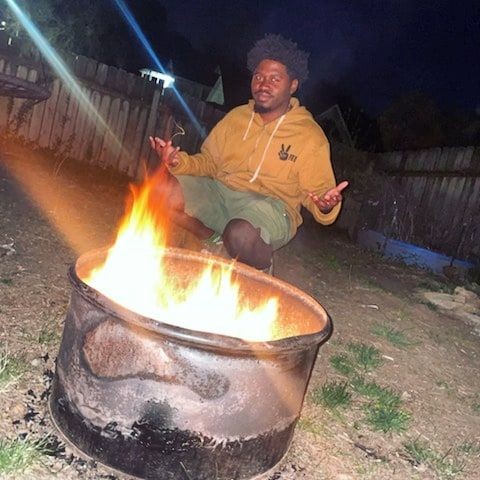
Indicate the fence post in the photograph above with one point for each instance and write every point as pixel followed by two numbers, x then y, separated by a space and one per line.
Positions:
pixel 149 130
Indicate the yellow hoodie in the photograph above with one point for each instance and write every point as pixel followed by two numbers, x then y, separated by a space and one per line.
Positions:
pixel 286 158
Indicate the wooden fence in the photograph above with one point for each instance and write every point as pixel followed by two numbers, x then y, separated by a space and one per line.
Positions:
pixel 430 198
pixel 108 124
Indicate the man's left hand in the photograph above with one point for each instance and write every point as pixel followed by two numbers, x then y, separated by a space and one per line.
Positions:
pixel 329 199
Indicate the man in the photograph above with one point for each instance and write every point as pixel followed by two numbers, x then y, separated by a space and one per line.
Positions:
pixel 258 166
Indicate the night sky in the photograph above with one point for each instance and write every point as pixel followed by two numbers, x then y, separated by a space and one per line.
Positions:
pixel 376 50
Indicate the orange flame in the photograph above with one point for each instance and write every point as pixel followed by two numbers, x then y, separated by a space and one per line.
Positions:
pixel 135 277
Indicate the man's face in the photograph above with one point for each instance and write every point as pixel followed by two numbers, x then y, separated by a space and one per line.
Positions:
pixel 272 87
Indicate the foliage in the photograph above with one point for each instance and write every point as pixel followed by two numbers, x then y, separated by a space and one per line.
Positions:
pixel 448 465
pixel 367 356
pixel 309 425
pixel 11 369
pixel 95 28
pixel 387 417
pixel 394 336
pixel 362 128
pixel 385 396
pixel 18 455
pixel 342 363
pixel 412 122
pixel 419 451
pixel 332 395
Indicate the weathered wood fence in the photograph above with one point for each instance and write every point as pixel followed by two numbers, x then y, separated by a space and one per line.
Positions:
pixel 430 198
pixel 110 125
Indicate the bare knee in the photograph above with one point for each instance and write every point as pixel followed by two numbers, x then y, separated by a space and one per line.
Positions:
pixel 168 193
pixel 243 242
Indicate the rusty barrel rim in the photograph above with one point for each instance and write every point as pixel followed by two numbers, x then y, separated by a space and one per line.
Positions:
pixel 201 339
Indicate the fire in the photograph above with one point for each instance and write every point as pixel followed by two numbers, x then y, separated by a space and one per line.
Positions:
pixel 134 276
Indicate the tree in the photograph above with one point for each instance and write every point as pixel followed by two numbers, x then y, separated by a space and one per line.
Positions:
pixel 411 122
pixel 94 28
pixel 363 129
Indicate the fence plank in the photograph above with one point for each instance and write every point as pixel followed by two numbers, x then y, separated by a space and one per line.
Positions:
pixel 126 159
pixel 120 133
pixel 59 117
pixel 49 115
pixel 81 125
pixel 68 131
pixel 137 167
pixel 110 139
pixel 146 151
pixel 100 128
pixel 86 147
pixel 36 121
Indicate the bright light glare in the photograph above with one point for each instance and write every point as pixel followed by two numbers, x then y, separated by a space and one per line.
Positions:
pixel 60 68
pixel 144 41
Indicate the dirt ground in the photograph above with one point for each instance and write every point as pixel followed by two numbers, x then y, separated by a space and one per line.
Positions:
pixel 50 213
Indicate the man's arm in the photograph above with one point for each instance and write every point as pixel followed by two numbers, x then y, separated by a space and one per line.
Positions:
pixel 322 196
pixel 204 163
pixel 330 199
pixel 166 151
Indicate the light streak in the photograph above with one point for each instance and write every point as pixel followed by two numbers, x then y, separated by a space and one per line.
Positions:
pixel 154 57
pixel 60 68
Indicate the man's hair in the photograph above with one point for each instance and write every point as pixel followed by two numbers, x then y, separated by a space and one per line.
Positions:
pixel 275 47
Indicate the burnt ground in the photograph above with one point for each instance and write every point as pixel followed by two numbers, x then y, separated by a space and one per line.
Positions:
pixel 50 213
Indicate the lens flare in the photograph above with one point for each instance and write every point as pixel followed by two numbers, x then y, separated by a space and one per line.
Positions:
pixel 61 69
pixel 146 44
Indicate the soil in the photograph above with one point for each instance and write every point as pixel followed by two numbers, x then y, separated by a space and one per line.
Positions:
pixel 50 213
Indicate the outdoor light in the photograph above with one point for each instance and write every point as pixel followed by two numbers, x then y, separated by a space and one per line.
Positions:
pixel 167 79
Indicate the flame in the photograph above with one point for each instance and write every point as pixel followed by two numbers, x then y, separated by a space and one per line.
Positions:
pixel 134 276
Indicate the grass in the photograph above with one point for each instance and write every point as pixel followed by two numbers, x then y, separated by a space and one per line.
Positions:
pixel 448 465
pixel 368 357
pixel 419 451
pixel 384 413
pixel 17 455
pixel 434 286
pixel 48 335
pixel 476 403
pixel 371 284
pixel 11 369
pixel 326 259
pixel 342 364
pixel 6 281
pixel 309 425
pixel 394 336
pixel 332 262
pixel 385 396
pixel 470 448
pixel 403 315
pixel 332 395
pixel 386 417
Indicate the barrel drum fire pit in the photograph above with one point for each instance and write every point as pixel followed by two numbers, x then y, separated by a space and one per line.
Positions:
pixel 157 401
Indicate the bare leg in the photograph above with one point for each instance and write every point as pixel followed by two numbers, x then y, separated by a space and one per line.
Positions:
pixel 169 192
pixel 242 241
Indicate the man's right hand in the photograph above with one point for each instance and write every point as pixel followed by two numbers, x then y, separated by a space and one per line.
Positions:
pixel 166 151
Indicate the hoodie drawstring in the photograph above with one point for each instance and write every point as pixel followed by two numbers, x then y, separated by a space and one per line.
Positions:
pixel 257 171
pixel 249 125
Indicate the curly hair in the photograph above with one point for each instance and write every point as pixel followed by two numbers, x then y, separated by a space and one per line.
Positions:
pixel 275 47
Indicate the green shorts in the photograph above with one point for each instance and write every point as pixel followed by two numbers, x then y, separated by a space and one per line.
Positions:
pixel 215 205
